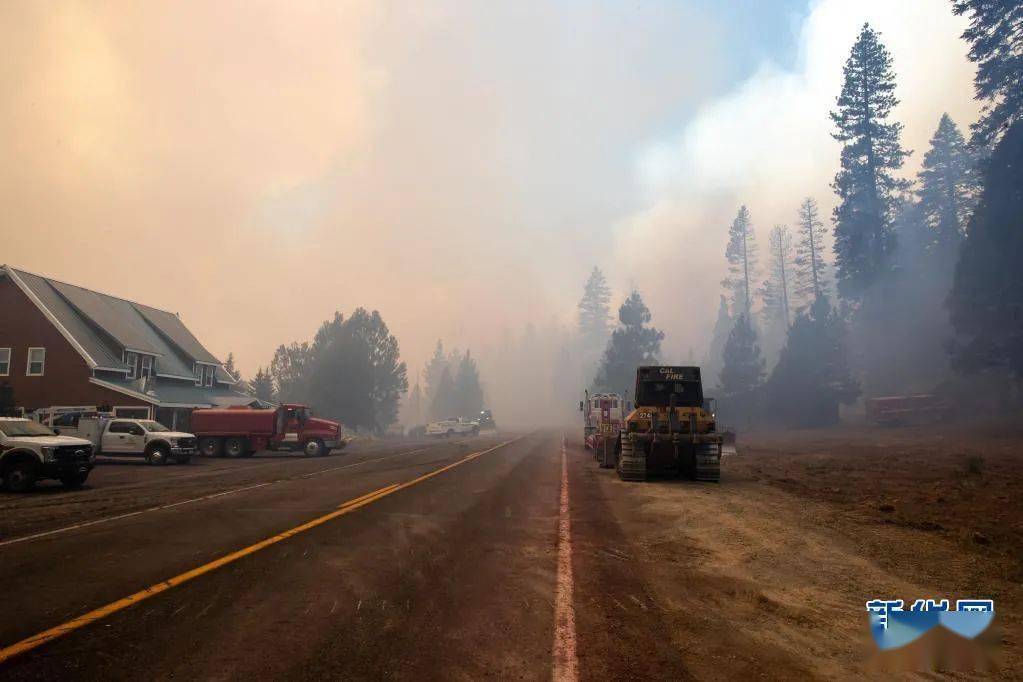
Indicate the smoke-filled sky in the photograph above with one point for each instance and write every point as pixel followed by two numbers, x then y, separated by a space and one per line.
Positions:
pixel 458 165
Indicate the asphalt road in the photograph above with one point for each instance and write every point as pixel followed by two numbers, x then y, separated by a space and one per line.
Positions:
pixel 454 574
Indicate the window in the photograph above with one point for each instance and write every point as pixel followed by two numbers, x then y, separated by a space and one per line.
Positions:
pixel 5 362
pixel 147 366
pixel 120 427
pixel 204 374
pixel 36 362
pixel 131 359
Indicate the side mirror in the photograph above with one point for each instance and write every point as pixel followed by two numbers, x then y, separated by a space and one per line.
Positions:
pixel 580 406
pixel 56 431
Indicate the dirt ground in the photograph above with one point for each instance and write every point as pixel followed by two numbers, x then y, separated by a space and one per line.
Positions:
pixel 766 575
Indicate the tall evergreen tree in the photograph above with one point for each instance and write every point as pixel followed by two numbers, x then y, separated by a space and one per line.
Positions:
pixel 432 372
pixel 415 404
pixel 812 376
pixel 467 390
pixel 810 278
pixel 632 344
pixel 987 295
pixel 288 369
pixel 713 360
pixel 948 187
pixel 229 366
pixel 995 35
pixel 743 370
pixel 263 385
pixel 443 404
pixel 595 310
pixel 775 291
pixel 741 254
pixel 871 151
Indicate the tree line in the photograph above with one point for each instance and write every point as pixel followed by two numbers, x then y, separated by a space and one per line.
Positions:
pixel 351 371
pixel 450 387
pixel 925 271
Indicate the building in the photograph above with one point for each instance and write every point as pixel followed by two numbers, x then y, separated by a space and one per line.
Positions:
pixel 65 346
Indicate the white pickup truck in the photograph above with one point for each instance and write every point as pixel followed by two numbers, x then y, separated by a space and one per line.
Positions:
pixel 30 451
pixel 136 437
pixel 452 426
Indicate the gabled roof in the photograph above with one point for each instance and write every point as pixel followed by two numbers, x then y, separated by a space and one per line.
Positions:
pixel 101 326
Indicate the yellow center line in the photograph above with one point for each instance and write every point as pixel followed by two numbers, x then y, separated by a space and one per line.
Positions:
pixel 102 612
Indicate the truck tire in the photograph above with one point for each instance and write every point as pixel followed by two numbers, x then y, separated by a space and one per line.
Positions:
pixel 74 481
pixel 20 477
pixel 450 433
pixel 210 447
pixel 475 430
pixel 314 448
pixel 158 455
pixel 235 447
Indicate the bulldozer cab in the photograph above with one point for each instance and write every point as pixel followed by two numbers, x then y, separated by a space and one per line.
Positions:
pixel 669 387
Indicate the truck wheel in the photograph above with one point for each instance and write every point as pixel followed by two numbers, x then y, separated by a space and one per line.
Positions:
pixel 20 477
pixel 314 448
pixel 158 455
pixel 235 447
pixel 475 430
pixel 74 481
pixel 210 447
pixel 450 433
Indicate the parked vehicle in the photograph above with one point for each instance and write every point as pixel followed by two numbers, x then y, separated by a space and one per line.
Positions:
pixel 241 431
pixel 452 426
pixel 486 420
pixel 136 438
pixel 30 451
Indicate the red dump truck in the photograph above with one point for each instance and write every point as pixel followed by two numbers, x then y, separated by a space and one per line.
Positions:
pixel 241 431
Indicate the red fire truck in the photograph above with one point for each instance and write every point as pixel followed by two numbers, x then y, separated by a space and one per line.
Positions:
pixel 241 431
pixel 603 415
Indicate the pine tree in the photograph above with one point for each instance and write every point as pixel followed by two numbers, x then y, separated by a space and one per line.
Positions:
pixel 468 393
pixel 810 271
pixel 995 35
pixel 595 310
pixel 263 385
pixel 948 187
pixel 775 291
pixel 987 295
pixel 443 403
pixel 866 188
pixel 632 344
pixel 812 376
pixel 229 366
pixel 741 254
pixel 415 404
pixel 435 367
pixel 743 369
pixel 713 360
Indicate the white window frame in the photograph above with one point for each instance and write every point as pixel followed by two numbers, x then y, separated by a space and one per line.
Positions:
pixel 147 371
pixel 7 372
pixel 28 365
pixel 131 359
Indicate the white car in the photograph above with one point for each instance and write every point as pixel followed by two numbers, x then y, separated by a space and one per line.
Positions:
pixel 452 426
pixel 30 451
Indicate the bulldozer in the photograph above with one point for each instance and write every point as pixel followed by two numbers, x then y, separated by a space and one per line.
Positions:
pixel 671 432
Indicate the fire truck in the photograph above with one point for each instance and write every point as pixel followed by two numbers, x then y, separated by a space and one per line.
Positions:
pixel 603 415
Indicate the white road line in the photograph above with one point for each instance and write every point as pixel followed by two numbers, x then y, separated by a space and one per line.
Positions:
pixel 108 519
pixel 566 663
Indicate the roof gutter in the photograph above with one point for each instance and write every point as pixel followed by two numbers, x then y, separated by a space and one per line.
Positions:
pixel 126 391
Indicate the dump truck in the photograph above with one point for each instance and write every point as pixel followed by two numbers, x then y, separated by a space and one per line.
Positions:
pixel 670 432
pixel 241 431
pixel 602 422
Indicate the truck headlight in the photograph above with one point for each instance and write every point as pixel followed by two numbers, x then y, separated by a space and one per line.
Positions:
pixel 173 442
pixel 48 452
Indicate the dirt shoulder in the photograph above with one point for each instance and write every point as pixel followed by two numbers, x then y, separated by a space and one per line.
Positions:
pixel 766 574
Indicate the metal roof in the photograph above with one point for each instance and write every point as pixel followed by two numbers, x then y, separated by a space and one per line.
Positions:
pixel 105 325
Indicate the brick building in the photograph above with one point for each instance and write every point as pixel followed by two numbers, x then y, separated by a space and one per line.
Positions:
pixel 65 346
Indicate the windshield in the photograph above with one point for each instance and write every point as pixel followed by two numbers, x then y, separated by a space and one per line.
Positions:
pixel 152 426
pixel 25 428
pixel 658 393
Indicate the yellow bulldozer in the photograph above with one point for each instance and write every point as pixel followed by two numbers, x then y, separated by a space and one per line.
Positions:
pixel 671 432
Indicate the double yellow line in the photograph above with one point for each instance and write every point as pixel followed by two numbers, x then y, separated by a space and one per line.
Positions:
pixel 113 607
